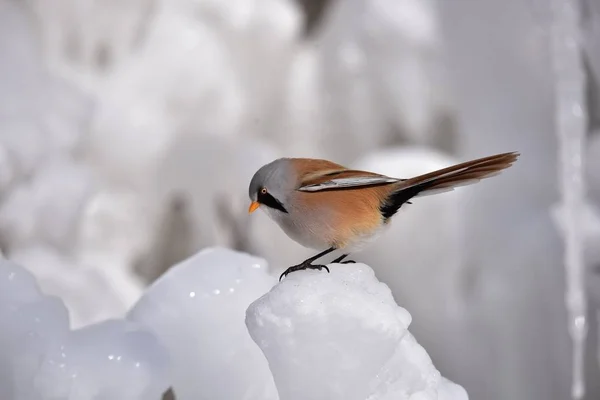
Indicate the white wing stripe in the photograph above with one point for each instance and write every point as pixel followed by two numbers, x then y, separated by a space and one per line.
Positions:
pixel 347 182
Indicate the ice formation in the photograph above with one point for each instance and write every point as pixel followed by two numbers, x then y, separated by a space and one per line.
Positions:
pixel 197 310
pixel 342 336
pixel 572 131
pixel 41 359
pixel 505 93
pixel 334 336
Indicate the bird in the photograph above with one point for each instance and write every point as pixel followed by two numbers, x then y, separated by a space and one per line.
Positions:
pixel 326 207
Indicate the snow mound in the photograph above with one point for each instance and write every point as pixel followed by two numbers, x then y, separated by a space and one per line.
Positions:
pixel 41 359
pixel 197 309
pixel 325 336
pixel 342 336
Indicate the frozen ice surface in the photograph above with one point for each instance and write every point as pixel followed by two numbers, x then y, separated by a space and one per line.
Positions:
pixel 197 310
pixel 342 336
pixel 113 360
pixel 40 359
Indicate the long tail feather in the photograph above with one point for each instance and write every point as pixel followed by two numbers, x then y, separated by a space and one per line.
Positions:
pixel 447 179
pixel 470 170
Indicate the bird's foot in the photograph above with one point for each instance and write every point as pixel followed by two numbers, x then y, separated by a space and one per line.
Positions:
pixel 301 267
pixel 340 258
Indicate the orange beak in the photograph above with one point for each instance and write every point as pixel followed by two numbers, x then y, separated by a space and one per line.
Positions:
pixel 253 206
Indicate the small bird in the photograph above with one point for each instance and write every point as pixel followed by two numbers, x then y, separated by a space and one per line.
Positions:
pixel 326 206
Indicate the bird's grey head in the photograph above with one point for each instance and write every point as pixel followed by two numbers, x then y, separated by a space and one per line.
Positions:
pixel 272 185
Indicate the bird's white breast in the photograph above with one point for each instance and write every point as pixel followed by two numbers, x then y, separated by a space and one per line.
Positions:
pixel 306 231
pixel 314 231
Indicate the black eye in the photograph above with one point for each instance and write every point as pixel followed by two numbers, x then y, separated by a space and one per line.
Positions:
pixel 268 200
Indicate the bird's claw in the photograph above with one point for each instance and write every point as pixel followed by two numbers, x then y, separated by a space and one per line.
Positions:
pixel 342 257
pixel 301 267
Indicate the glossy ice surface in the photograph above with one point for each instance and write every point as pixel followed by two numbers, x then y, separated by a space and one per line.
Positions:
pixel 41 359
pixel 342 336
pixel 197 309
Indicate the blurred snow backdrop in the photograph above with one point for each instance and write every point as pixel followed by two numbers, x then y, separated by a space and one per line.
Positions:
pixel 129 131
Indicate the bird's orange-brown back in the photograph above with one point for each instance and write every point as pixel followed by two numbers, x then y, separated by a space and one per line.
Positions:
pixel 315 171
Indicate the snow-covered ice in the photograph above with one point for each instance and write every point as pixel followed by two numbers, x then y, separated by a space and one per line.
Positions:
pixel 113 360
pixel 197 310
pixel 342 336
pixel 200 329
pixel 41 359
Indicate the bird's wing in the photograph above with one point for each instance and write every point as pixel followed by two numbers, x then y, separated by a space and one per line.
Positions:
pixel 335 179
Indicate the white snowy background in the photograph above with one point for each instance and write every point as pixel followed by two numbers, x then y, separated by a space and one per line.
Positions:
pixel 129 131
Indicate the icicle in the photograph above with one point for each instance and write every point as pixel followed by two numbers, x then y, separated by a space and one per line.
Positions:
pixel 598 330
pixel 571 130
